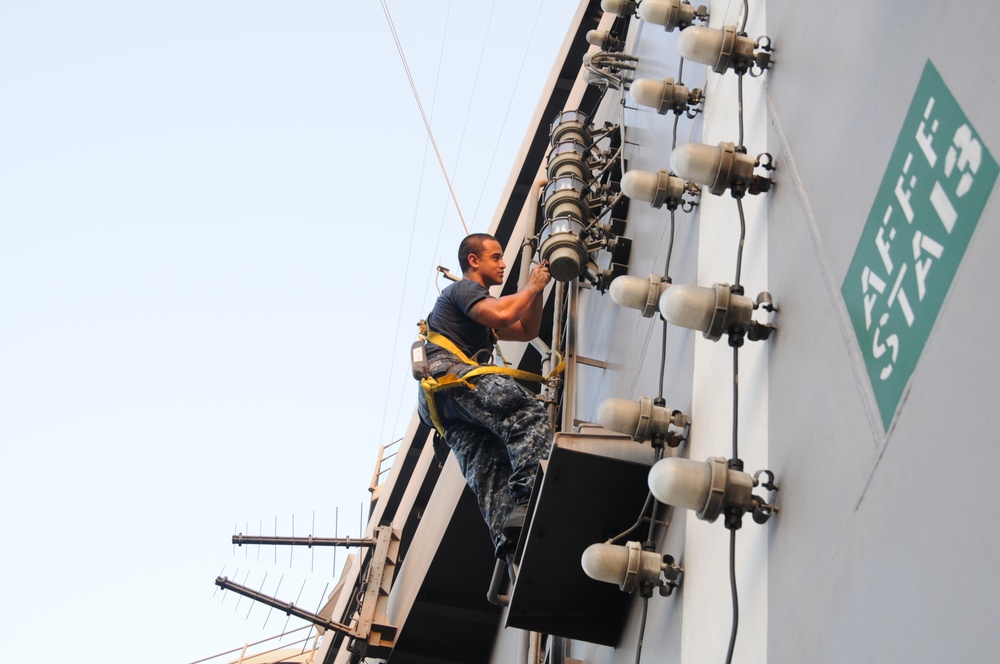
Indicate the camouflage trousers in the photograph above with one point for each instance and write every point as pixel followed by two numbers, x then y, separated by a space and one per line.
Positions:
pixel 498 433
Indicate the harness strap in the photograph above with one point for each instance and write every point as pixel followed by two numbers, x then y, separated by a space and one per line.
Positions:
pixel 449 381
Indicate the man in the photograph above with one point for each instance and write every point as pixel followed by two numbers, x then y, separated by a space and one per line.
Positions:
pixel 497 431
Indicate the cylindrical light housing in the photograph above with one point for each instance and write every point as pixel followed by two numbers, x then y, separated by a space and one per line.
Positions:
pixel 562 247
pixel 639 419
pixel 567 158
pixel 626 566
pixel 654 188
pixel 706 487
pixel 664 95
pixel 713 311
pixel 715 167
pixel 619 7
pixel 566 195
pixel 602 39
pixel 720 49
pixel 639 293
pixel 671 14
pixel 570 126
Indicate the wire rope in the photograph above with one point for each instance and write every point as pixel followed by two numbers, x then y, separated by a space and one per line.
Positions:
pixel 437 152
pixel 468 108
pixel 510 102
pixel 409 253
pixel 423 115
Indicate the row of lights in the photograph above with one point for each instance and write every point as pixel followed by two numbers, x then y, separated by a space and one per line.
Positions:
pixel 716 486
pixel 575 198
pixel 566 198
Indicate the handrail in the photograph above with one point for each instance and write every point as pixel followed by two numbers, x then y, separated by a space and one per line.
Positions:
pixel 244 647
pixel 378 476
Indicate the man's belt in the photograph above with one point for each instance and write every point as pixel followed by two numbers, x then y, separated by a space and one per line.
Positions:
pixel 432 385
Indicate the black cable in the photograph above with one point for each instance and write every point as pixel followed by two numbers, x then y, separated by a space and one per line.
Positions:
pixel 736 400
pixel 670 253
pixel 736 367
pixel 677 116
pixel 739 104
pixel 642 629
pixel 743 236
pixel 663 364
pixel 663 356
pixel 736 602
pixel 635 526
pixel 666 275
pixel 642 513
pixel 656 504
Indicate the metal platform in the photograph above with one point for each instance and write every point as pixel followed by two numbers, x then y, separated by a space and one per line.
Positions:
pixel 592 488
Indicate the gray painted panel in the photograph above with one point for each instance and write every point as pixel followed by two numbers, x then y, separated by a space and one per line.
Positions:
pixel 875 558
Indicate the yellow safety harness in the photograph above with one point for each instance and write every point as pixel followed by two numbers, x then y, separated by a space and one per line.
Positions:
pixel 449 381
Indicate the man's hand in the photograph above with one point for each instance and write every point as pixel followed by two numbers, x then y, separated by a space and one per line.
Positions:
pixel 539 277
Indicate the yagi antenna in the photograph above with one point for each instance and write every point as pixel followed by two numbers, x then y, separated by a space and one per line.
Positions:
pixel 241 597
pixel 350 542
pixel 270 609
pixel 288 608
pixel 260 591
pixel 318 605
pixel 285 628
pixel 223 571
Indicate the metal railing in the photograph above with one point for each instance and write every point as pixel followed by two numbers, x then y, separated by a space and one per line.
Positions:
pixel 386 456
pixel 246 656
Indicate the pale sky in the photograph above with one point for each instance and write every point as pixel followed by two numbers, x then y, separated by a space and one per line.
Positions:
pixel 219 223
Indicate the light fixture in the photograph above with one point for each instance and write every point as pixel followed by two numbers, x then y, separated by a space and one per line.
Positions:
pixel 570 125
pixel 724 49
pixel 665 95
pixel 563 249
pixel 657 188
pixel 711 488
pixel 671 14
pixel 721 168
pixel 642 419
pixel 619 7
pixel 639 293
pixel 567 204
pixel 607 68
pixel 568 158
pixel 603 40
pixel 717 310
pixel 629 567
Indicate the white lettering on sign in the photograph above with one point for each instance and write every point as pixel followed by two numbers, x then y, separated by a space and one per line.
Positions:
pixel 968 156
pixel 924 140
pixel 924 244
pixel 931 197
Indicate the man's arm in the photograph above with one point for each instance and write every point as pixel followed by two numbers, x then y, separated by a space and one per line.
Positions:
pixel 515 317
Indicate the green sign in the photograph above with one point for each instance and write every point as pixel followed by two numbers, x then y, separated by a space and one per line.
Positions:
pixel 931 198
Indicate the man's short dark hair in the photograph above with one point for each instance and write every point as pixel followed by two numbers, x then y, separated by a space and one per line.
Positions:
pixel 472 244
